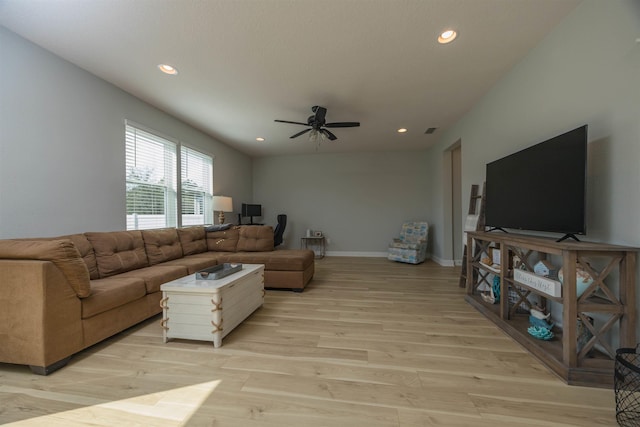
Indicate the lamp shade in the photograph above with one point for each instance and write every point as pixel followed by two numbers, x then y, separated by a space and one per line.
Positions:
pixel 222 204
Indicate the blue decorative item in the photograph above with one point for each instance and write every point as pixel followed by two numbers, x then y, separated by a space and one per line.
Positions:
pixel 541 323
pixel 540 333
pixel 496 288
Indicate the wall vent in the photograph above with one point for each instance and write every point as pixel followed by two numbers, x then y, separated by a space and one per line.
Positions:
pixel 430 131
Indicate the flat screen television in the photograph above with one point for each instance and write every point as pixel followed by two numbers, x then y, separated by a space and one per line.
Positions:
pixel 541 188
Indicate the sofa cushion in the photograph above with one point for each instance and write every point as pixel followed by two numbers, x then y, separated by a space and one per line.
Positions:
pixel 83 245
pixel 161 245
pixel 118 251
pixel 156 275
pixel 280 260
pixel 111 292
pixel 86 252
pixel 225 241
pixel 63 253
pixel 193 240
pixel 256 238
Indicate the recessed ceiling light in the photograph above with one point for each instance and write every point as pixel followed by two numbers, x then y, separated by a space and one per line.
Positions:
pixel 402 130
pixel 260 139
pixel 447 36
pixel 168 69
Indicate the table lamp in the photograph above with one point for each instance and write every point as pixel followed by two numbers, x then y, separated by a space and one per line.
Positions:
pixel 222 204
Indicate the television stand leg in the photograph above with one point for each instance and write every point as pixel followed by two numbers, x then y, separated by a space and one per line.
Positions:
pixel 568 236
pixel 497 229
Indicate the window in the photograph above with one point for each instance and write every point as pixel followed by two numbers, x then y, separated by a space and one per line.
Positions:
pixel 151 180
pixel 154 196
pixel 196 187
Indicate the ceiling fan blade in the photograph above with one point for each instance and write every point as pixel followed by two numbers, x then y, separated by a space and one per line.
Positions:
pixel 300 133
pixel 343 125
pixel 330 135
pixel 293 123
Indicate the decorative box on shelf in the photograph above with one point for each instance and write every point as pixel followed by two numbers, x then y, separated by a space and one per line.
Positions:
pixel 539 283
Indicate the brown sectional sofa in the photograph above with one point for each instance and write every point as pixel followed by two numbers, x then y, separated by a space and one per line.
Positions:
pixel 61 295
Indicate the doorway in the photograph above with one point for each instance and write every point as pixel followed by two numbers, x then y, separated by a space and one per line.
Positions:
pixel 456 203
pixel 452 205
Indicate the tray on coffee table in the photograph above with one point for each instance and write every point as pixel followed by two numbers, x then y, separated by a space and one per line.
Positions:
pixel 218 271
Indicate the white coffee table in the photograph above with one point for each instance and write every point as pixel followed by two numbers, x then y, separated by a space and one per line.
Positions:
pixel 208 310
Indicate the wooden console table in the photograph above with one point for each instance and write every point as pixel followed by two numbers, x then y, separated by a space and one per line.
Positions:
pixel 610 303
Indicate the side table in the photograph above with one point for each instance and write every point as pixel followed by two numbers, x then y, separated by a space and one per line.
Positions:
pixel 316 244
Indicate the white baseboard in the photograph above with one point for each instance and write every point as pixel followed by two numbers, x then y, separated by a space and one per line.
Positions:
pixel 357 254
pixel 444 262
pixel 366 254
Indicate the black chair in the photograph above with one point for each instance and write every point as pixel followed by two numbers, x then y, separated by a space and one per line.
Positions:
pixel 279 231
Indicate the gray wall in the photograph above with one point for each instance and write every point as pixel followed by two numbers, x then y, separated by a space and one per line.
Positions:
pixel 359 201
pixel 586 71
pixel 62 146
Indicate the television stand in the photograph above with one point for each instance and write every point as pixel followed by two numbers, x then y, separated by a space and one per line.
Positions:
pixel 586 326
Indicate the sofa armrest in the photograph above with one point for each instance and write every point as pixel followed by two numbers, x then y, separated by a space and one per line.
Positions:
pixel 62 253
pixel 40 314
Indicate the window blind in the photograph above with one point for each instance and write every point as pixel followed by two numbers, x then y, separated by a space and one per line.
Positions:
pixel 196 187
pixel 151 180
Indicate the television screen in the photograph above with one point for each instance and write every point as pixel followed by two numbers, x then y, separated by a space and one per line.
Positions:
pixel 541 188
pixel 251 210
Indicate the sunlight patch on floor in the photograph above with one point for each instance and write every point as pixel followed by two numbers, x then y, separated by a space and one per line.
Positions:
pixel 166 408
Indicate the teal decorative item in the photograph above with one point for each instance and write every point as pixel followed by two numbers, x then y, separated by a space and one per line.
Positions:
pixel 496 288
pixel 541 323
pixel 540 333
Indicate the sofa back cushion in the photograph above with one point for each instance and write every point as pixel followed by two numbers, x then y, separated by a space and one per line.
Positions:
pixel 193 240
pixel 223 241
pixel 62 253
pixel 161 245
pixel 118 251
pixel 86 252
pixel 256 238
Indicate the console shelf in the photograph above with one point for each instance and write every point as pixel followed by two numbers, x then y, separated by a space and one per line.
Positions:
pixel 606 309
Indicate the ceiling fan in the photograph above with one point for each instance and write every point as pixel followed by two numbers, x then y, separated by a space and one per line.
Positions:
pixel 317 125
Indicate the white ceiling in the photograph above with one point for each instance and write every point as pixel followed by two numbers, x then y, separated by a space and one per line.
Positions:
pixel 244 63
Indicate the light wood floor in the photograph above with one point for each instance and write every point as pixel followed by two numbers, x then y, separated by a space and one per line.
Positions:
pixel 369 343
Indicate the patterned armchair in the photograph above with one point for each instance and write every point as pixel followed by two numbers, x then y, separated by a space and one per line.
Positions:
pixel 411 247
